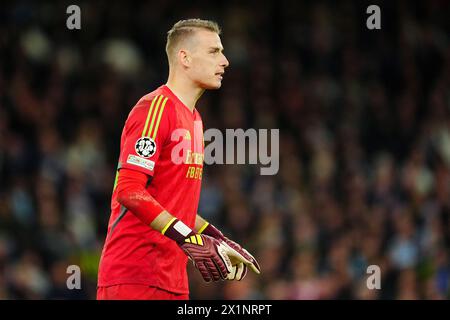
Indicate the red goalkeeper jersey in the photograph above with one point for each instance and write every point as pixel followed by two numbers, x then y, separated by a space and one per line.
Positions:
pixel 163 139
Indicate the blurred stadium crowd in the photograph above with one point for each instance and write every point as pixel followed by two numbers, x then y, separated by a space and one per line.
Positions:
pixel 364 119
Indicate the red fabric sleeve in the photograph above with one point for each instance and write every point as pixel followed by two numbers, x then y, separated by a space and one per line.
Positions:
pixel 146 131
pixel 132 194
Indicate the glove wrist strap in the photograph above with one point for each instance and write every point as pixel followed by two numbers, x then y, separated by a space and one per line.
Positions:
pixel 209 230
pixel 177 231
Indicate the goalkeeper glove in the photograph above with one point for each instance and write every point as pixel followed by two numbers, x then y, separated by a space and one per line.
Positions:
pixel 209 255
pixel 240 258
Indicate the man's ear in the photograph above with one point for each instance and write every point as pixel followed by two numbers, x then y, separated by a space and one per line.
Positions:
pixel 184 58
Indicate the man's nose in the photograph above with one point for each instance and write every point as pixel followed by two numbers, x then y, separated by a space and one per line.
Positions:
pixel 225 63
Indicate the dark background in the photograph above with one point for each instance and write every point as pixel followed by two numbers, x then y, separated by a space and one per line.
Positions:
pixel 364 119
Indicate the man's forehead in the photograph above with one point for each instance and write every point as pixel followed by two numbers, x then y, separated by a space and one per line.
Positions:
pixel 208 38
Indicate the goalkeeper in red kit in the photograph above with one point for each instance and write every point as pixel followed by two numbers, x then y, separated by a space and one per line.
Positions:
pixel 154 227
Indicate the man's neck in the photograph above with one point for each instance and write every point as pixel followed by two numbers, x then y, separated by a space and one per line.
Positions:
pixel 185 91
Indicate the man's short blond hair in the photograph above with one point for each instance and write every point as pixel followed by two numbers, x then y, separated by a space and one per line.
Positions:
pixel 183 29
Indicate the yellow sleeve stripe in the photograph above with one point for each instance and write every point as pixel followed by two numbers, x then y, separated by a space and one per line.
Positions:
pixel 161 110
pixel 116 179
pixel 154 114
pixel 203 228
pixel 148 116
pixel 168 225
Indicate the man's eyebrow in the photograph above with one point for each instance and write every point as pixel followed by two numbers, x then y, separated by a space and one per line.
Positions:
pixel 216 48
